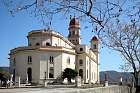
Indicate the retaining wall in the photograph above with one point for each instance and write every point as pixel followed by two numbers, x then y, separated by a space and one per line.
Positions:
pixel 110 89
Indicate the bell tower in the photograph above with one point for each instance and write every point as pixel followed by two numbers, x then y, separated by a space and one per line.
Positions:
pixel 74 31
pixel 94 44
pixel 95 49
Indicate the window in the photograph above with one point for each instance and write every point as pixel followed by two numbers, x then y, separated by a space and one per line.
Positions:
pixel 37 44
pixel 73 32
pixel 69 34
pixel 81 49
pixel 80 62
pixel 68 60
pixel 45 75
pixel 14 61
pixel 51 60
pixel 94 46
pixel 51 72
pixel 29 60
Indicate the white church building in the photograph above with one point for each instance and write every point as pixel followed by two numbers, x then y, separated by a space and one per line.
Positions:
pixel 48 53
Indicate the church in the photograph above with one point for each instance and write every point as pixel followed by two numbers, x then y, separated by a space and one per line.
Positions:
pixel 48 53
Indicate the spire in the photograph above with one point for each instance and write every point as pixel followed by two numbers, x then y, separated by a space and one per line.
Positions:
pixel 49 26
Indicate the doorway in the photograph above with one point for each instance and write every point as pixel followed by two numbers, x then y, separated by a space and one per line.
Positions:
pixel 29 72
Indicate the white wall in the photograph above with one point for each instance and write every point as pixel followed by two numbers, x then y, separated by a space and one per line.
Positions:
pixel 65 64
pixel 22 64
pixel 44 62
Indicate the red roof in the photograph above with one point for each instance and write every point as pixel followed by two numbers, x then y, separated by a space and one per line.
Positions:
pixel 74 22
pixel 94 38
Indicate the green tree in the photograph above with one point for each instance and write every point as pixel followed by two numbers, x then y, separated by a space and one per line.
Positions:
pixel 69 74
pixel 4 76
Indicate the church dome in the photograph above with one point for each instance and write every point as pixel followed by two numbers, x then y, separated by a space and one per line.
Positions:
pixel 94 38
pixel 74 23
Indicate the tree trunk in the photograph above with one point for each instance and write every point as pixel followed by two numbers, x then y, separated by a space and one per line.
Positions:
pixel 137 83
pixel 69 80
pixel 137 89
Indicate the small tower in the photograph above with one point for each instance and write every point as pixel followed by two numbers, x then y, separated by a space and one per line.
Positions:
pixel 74 31
pixel 95 49
pixel 94 44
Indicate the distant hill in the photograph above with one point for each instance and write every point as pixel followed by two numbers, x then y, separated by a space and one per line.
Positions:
pixel 4 69
pixel 114 76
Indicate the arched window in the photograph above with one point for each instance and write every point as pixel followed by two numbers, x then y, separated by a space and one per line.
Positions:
pixel 81 73
pixel 37 44
pixel 69 33
pixel 29 72
pixel 94 46
pixel 80 62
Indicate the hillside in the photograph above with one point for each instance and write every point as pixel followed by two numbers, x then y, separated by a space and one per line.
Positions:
pixel 114 76
pixel 4 69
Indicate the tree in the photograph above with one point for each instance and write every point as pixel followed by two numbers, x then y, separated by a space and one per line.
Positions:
pixel 4 76
pixel 100 14
pixel 69 74
pixel 97 12
pixel 125 39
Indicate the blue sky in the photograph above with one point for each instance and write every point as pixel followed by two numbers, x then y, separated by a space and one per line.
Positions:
pixel 15 29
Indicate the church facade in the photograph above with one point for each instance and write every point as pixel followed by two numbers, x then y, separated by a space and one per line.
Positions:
pixel 48 53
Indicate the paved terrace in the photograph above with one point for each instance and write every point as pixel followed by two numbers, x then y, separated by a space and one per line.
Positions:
pixel 109 89
pixel 37 90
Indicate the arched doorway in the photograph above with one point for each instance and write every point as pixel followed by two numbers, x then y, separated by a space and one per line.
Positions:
pixel 29 72
pixel 81 73
pixel 14 73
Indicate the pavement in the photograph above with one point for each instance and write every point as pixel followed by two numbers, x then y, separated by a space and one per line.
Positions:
pixel 50 89
pixel 38 90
